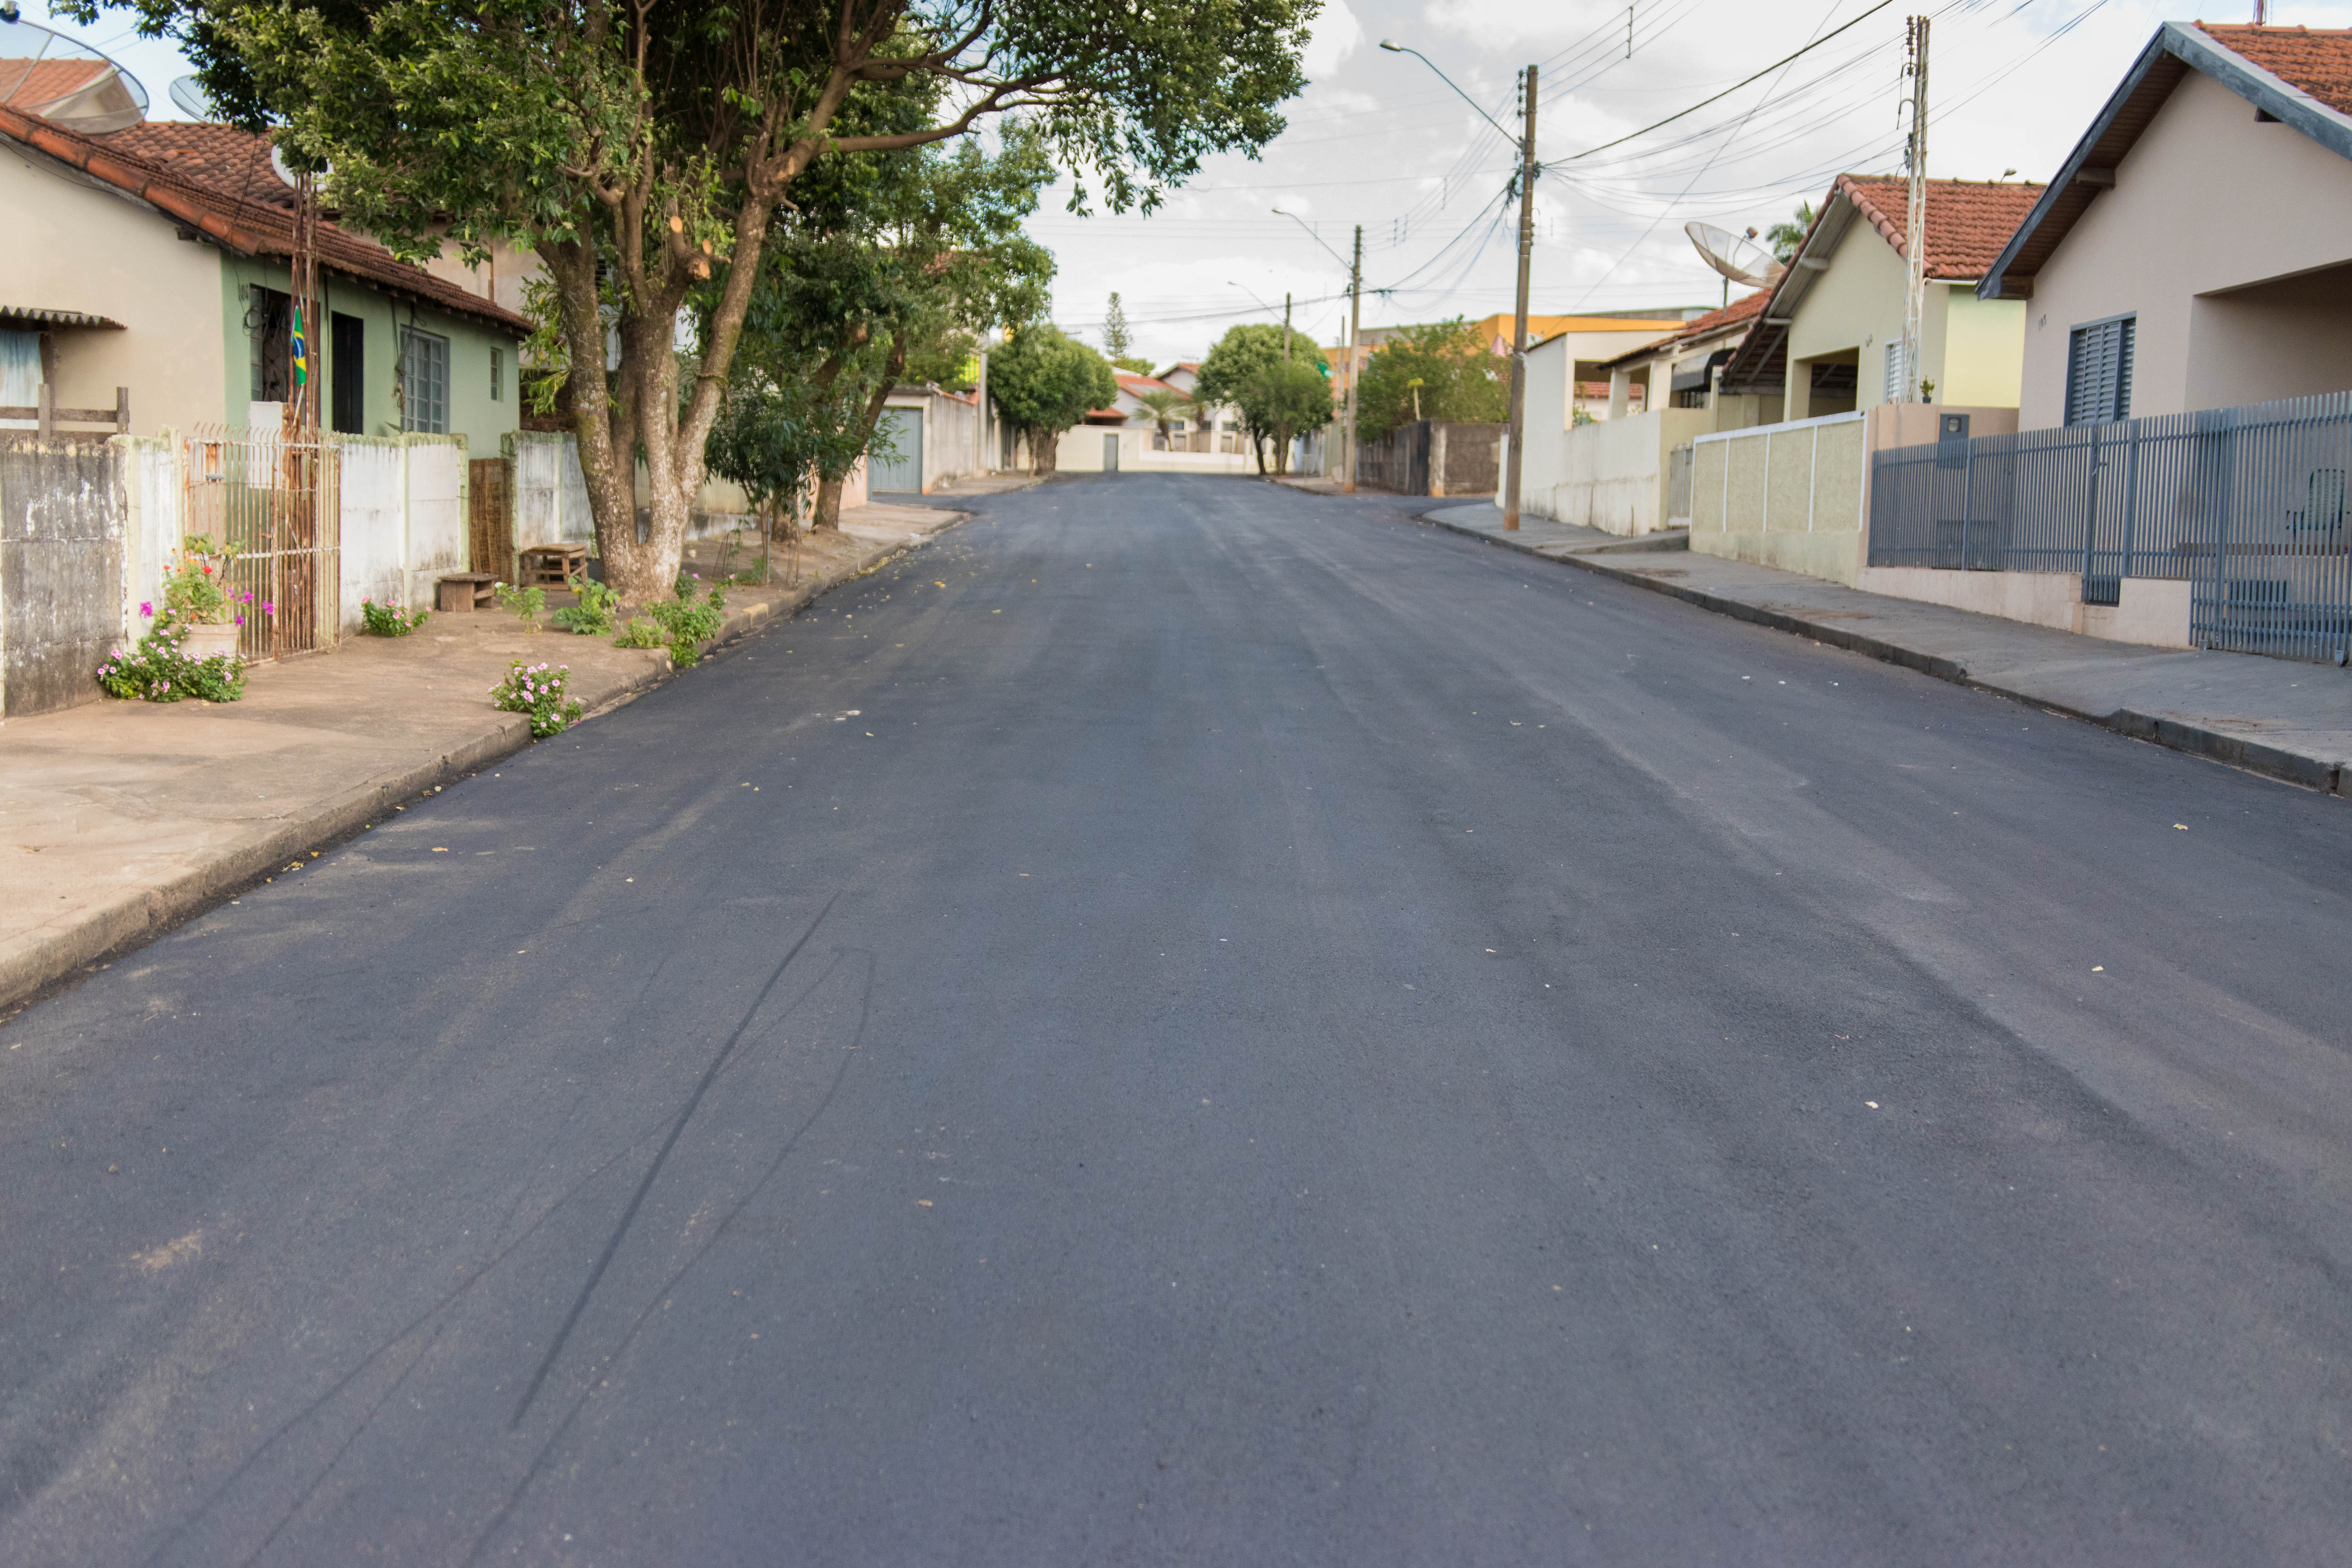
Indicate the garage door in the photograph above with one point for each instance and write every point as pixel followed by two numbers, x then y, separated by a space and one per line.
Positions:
pixel 904 429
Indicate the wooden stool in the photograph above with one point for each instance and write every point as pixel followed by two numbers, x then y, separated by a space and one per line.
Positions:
pixel 550 566
pixel 464 591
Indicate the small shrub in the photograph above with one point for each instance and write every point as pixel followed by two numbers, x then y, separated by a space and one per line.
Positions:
pixel 537 691
pixel 388 620
pixel 642 631
pixel 156 671
pixel 593 616
pixel 194 589
pixel 688 623
pixel 527 603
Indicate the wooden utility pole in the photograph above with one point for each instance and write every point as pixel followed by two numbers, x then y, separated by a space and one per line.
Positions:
pixel 1355 358
pixel 1519 320
pixel 1915 226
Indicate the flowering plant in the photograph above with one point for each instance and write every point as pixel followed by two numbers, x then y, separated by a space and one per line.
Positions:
pixel 194 589
pixel 537 691
pixel 389 620
pixel 158 671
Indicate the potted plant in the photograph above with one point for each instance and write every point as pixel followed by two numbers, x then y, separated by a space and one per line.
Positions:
pixel 197 604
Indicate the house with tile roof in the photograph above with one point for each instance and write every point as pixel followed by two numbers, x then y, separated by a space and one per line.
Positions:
pixel 1679 371
pixel 2195 250
pixel 156 258
pixel 1830 337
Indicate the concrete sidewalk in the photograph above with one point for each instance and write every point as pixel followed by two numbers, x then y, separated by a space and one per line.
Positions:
pixel 2293 721
pixel 122 819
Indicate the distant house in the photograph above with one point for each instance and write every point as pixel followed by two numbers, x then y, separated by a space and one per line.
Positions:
pixel 1589 341
pixel 156 258
pixel 2195 250
pixel 1679 371
pixel 1829 339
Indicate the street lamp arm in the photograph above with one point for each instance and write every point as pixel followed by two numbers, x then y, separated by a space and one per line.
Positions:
pixel 1310 233
pixel 1396 48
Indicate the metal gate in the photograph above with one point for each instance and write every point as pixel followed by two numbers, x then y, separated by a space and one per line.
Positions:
pixel 274 506
pixel 489 490
pixel 903 428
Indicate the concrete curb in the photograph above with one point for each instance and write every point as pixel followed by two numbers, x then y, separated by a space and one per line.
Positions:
pixel 2196 740
pixel 139 918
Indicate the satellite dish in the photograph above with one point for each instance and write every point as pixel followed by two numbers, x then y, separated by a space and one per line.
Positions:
pixel 1738 257
pixel 67 83
pixel 277 166
pixel 193 100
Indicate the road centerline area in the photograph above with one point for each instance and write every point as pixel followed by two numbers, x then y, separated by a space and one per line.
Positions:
pixel 1326 1041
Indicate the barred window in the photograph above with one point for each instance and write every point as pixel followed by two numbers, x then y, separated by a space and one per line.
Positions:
pixel 498 375
pixel 424 383
pixel 2099 371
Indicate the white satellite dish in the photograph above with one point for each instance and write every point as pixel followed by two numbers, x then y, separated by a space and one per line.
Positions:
pixel 277 166
pixel 193 100
pixel 68 84
pixel 1738 257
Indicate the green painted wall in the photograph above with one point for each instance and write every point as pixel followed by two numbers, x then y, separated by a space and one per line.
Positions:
pixel 474 414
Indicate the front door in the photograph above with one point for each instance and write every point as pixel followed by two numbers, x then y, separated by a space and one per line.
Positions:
pixel 1110 454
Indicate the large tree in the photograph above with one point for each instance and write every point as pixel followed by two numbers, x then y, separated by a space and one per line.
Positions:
pixel 892 267
pixel 1043 382
pixel 1236 361
pixel 1282 402
pixel 643 148
pixel 1455 377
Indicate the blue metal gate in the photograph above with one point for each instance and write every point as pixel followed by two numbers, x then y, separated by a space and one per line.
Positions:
pixel 2248 505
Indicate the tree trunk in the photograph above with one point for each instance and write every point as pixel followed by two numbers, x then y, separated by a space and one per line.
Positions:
pixel 1257 450
pixel 827 517
pixel 1045 452
pixel 1282 454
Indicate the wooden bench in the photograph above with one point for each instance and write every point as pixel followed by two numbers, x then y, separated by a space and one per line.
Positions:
pixel 464 591
pixel 550 566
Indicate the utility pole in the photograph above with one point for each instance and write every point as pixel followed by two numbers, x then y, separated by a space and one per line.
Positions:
pixel 1519 322
pixel 1355 357
pixel 1914 227
pixel 1285 326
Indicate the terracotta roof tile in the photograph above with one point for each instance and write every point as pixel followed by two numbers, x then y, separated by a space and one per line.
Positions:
pixel 205 188
pixel 27 84
pixel 1968 221
pixel 2317 59
pixel 233 162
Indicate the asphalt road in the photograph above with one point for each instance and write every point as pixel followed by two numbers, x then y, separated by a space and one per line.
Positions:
pixel 1187 1023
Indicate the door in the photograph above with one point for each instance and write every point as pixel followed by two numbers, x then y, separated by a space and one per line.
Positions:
pixel 348 361
pixel 1110 454
pixel 489 491
pixel 902 470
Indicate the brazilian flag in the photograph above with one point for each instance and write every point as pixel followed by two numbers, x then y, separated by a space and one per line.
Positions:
pixel 301 351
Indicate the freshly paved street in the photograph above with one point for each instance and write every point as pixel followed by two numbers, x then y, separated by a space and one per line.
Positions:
pixel 1189 1022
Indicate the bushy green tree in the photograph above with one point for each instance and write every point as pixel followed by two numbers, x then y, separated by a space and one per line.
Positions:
pixel 1459 380
pixel 1283 401
pixel 1118 340
pixel 1042 383
pixel 643 149
pixel 1784 237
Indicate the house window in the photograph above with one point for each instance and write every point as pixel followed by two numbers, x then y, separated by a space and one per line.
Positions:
pixel 1898 382
pixel 498 375
pixel 2099 371
pixel 424 383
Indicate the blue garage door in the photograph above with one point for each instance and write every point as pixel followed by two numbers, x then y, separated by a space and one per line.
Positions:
pixel 903 426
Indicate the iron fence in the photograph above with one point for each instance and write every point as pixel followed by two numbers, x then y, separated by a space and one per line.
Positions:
pixel 2247 505
pixel 273 505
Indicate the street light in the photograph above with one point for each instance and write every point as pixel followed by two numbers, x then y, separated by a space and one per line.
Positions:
pixel 1526 142
pixel 1396 48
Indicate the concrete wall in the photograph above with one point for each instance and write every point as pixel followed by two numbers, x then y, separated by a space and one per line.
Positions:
pixel 1794 496
pixel 1080 451
pixel 77 248
pixel 2208 201
pixel 61 569
pixel 1610 474
pixel 2152 610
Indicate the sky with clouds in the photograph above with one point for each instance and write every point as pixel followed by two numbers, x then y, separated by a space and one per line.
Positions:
pixel 1380 139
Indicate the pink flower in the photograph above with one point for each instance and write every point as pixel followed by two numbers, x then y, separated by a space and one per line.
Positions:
pixel 240 620
pixel 147 609
pixel 267 609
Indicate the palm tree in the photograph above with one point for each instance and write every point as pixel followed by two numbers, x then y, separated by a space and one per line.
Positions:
pixel 1203 417
pixel 1784 237
pixel 1166 405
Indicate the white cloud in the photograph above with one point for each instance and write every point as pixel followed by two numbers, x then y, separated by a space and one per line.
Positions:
pixel 1337 35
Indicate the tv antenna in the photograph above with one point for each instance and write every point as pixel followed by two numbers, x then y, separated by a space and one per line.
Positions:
pixel 1738 257
pixel 67 83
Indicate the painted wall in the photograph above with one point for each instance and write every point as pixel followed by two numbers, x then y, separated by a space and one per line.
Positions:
pixel 1610 474
pixel 74 246
pixel 1080 451
pixel 2208 200
pixel 1787 496
pixel 1973 350
pixel 1984 361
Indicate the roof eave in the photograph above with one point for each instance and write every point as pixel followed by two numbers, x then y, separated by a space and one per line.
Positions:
pixel 2193 48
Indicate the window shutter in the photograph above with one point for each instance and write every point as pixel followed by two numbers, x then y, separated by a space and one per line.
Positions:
pixel 2098 372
